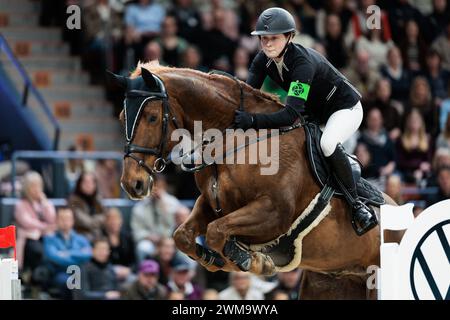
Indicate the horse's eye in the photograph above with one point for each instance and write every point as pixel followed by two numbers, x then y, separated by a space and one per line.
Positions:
pixel 152 118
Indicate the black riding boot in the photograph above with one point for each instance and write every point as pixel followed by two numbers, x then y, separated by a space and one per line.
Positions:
pixel 364 218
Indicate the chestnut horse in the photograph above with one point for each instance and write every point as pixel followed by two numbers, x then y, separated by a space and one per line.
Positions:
pixel 254 209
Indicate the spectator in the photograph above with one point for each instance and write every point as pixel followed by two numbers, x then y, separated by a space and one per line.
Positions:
pixel 413 48
pixel 414 149
pixel 400 12
pixel 172 45
pixel 394 188
pixel 443 140
pixel 336 8
pixel 143 22
pixel 363 155
pixel 98 281
pixel 420 98
pixel 240 288
pixel 122 255
pixel 399 77
pixel 153 218
pixel 180 280
pixel 103 31
pixel 63 249
pixel 108 179
pixel 153 51
pixel 210 294
pixel 73 169
pixel 165 255
pixel 181 216
pixel 438 78
pixel 35 217
pixel 380 147
pixel 191 58
pixel 280 295
pixel 375 43
pixel 361 74
pixel 188 20
pixel 240 63
pixel 438 18
pixel 390 109
pixel 88 210
pixel 443 180
pixel 301 37
pixel 288 282
pixel 442 46
pixel 334 42
pixel 146 287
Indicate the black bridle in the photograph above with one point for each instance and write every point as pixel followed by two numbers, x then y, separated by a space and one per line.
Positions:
pixel 130 149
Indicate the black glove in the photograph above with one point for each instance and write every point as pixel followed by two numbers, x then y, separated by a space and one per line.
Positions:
pixel 243 120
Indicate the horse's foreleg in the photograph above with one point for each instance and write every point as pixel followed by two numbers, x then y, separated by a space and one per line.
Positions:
pixel 256 218
pixel 194 226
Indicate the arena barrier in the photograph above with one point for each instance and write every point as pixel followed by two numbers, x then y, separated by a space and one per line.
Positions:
pixel 10 285
pixel 418 268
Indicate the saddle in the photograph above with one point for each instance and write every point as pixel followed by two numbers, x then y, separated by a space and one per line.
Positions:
pixel 368 193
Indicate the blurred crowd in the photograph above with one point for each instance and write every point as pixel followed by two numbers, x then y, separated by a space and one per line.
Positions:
pixel 401 67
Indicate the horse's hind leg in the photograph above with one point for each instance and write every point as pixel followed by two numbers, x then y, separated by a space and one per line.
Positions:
pixel 186 234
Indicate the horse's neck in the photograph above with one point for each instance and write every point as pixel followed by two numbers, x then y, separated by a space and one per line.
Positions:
pixel 214 104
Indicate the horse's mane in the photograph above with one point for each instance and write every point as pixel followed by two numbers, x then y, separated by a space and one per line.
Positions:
pixel 155 67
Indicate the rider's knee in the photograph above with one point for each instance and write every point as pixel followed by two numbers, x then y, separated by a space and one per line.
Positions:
pixel 328 144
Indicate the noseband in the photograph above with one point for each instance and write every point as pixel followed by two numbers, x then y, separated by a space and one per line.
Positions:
pixel 130 149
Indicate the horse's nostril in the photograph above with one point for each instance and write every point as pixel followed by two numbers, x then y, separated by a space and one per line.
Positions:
pixel 139 186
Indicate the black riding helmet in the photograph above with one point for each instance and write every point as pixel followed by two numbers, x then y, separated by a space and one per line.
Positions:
pixel 274 21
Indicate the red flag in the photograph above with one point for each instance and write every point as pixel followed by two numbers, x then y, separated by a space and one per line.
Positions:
pixel 8 238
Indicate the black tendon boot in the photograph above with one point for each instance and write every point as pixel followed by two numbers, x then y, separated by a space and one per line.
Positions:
pixel 363 219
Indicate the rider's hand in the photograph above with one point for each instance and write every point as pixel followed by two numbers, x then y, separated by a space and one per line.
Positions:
pixel 243 120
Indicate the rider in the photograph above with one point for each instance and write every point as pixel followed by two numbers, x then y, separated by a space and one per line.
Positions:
pixel 315 88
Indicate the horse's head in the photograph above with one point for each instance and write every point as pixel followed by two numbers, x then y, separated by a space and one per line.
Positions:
pixel 146 117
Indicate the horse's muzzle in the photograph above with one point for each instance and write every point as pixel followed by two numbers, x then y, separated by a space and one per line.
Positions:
pixel 139 188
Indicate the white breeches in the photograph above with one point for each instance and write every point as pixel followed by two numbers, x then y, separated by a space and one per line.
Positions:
pixel 340 126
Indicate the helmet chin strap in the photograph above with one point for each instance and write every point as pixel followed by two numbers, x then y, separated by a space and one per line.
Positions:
pixel 285 47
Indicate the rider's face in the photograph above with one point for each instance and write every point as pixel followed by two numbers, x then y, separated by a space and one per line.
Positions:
pixel 272 45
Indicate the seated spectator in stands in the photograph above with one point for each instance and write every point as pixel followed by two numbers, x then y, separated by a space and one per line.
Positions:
pixel 153 51
pixel 443 180
pixel 192 58
pixel 102 31
pixel 210 294
pixel 421 99
pixel 188 19
pixel 438 78
pixel 175 295
pixel 443 140
pixel 165 255
pixel 240 63
pixel 108 178
pixel 334 42
pixel 377 43
pixel 380 147
pixel 240 288
pixel 122 255
pixel 363 155
pixel 394 188
pixel 146 287
pixel 361 74
pixel 399 77
pixel 441 158
pixel 153 218
pixel 74 168
pixel 438 18
pixel 414 149
pixel 181 216
pixel 98 281
pixel 300 37
pixel 413 48
pixel 143 23
pixel 172 45
pixel 34 217
pixel 62 249
pixel 390 110
pixel 442 46
pixel 88 210
pixel 288 282
pixel 280 295
pixel 337 8
pixel 180 280
pixel 400 11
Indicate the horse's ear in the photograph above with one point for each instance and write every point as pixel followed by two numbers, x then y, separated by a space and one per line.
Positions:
pixel 149 80
pixel 121 81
